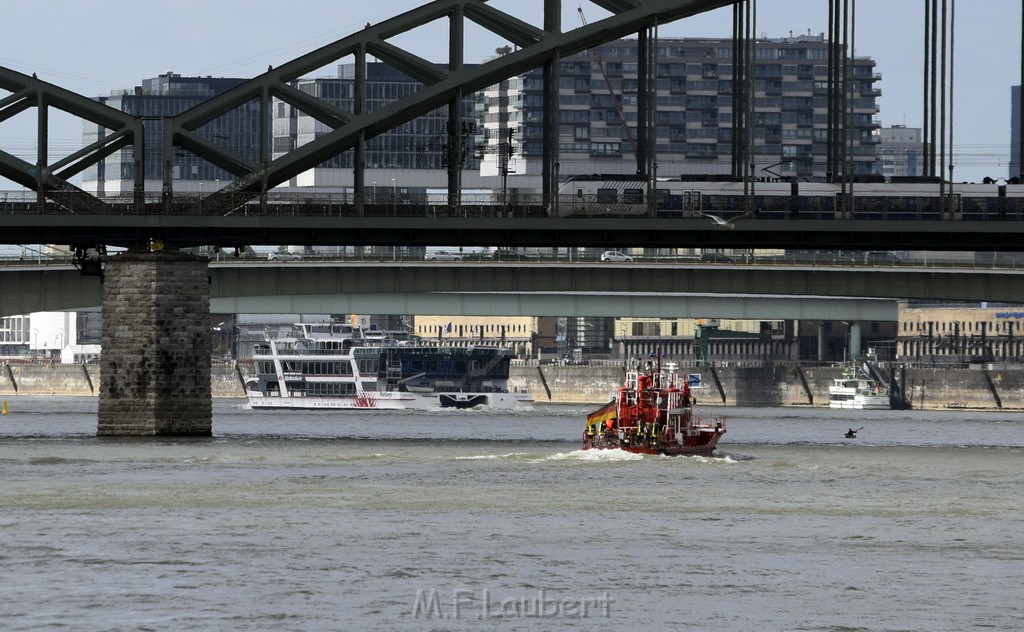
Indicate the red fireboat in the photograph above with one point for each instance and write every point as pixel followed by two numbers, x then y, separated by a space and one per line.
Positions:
pixel 652 413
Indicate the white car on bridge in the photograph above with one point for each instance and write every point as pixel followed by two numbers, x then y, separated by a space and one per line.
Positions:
pixel 615 256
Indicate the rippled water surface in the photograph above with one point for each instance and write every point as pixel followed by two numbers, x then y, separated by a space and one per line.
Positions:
pixel 496 520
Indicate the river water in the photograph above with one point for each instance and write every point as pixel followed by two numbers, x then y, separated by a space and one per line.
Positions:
pixel 496 520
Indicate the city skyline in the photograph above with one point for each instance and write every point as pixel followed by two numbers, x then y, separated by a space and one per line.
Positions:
pixel 193 41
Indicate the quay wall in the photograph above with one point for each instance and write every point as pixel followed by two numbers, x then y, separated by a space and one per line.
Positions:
pixel 987 387
pixel 81 379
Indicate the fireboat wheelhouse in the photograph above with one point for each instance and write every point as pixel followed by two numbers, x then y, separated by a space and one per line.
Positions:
pixel 652 413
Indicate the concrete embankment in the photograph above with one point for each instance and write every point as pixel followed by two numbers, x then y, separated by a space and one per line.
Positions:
pixel 988 387
pixel 81 379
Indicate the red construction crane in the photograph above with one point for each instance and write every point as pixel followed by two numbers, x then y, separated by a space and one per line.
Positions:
pixel 608 83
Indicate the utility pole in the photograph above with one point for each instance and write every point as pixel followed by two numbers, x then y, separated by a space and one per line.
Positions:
pixel 505 156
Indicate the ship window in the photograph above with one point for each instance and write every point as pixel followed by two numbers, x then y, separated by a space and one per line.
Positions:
pixel 367 366
pixel 431 367
pixel 460 367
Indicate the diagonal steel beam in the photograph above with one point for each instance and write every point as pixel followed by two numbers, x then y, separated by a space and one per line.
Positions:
pixel 307 103
pixel 15 105
pixel 416 67
pixel 102 147
pixel 17 170
pixel 616 6
pixel 512 29
pixel 219 156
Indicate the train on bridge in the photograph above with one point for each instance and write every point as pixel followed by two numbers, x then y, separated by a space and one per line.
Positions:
pixel 899 199
pixel 596 196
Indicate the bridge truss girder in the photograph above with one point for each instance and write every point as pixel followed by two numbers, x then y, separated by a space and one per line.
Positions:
pixel 536 47
pixel 350 130
pixel 51 180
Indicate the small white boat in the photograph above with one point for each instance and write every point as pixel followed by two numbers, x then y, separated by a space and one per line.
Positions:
pixel 858 390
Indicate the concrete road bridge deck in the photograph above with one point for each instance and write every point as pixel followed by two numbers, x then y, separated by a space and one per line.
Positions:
pixel 543 288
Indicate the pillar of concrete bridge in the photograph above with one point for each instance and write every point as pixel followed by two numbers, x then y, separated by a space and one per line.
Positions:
pixel 155 371
pixel 854 339
pixel 822 342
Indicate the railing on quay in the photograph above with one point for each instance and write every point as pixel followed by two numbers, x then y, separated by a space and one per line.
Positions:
pixel 690 364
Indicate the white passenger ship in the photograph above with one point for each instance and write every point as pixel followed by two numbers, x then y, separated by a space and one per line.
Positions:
pixel 333 366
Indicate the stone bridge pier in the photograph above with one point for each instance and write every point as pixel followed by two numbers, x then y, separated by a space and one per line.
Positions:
pixel 155 371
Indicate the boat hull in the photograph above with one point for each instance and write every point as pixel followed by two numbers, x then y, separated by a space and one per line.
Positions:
pixel 703 444
pixel 666 451
pixel 865 404
pixel 393 401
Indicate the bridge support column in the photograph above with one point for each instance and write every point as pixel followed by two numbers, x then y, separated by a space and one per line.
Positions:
pixel 155 372
pixel 822 342
pixel 854 339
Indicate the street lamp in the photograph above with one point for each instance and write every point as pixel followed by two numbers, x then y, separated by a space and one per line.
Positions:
pixel 394 196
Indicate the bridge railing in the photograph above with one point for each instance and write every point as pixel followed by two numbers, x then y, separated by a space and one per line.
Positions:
pixel 14 256
pixel 381 204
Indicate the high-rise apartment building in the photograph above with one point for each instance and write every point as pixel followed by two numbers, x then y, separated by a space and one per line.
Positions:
pixel 411 156
pixel 693 111
pixel 899 151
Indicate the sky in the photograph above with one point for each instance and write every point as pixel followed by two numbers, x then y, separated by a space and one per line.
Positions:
pixel 95 47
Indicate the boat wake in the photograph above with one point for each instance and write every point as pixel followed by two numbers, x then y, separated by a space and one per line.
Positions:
pixel 595 455
pixel 489 457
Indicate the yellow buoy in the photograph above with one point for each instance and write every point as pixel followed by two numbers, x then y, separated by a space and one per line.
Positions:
pixel 4 410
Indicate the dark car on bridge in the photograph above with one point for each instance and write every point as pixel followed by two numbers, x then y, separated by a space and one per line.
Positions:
pixel 506 254
pixel 716 257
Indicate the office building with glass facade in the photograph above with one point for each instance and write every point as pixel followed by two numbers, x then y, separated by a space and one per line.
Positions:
pixel 168 95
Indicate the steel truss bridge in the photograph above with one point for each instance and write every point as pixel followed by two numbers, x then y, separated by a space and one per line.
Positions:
pixel 245 212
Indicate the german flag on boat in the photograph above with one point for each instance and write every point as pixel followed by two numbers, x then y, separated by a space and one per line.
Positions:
pixel 602 414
